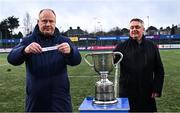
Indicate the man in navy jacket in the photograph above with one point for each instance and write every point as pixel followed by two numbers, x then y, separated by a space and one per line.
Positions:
pixel 46 54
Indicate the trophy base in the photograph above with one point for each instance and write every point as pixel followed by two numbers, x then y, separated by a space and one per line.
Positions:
pixel 98 102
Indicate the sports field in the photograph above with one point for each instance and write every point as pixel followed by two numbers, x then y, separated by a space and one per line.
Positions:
pixel 82 79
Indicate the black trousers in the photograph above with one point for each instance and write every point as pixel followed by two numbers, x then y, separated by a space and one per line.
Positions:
pixel 142 105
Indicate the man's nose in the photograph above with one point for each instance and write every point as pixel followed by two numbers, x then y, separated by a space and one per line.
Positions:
pixel 47 23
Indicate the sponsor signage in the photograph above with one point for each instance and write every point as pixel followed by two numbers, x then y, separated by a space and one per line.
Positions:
pixel 91 38
pixel 169 46
pixel 74 39
pixel 106 38
pixel 82 38
pixel 9 40
pixel 152 36
pixel 166 36
pixel 123 38
pixel 101 47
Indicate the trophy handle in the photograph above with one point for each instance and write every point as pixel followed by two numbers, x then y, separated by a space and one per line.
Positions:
pixel 85 58
pixel 116 73
pixel 121 57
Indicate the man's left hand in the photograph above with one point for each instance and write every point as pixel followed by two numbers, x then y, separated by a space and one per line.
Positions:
pixel 154 94
pixel 64 48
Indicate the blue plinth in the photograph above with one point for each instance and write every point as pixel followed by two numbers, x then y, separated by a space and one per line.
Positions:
pixel 87 106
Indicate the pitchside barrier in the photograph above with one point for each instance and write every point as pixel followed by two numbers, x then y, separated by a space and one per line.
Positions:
pixel 104 42
pixel 110 48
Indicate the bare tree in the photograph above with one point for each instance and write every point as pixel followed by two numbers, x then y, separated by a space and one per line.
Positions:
pixel 27 23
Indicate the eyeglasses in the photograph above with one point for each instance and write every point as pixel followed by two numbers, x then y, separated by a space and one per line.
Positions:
pixel 136 27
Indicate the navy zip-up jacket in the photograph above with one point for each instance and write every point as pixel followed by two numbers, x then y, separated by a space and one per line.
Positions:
pixel 47 83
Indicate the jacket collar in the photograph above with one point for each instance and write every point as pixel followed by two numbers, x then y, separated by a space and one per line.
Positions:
pixel 37 32
pixel 134 41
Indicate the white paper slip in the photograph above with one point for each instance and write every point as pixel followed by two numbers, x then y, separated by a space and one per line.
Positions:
pixel 49 48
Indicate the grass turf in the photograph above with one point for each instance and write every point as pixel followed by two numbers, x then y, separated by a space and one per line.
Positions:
pixel 82 80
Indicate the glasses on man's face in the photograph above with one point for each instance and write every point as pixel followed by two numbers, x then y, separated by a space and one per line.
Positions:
pixel 135 27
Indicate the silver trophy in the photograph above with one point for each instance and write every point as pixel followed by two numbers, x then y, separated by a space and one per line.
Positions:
pixel 103 64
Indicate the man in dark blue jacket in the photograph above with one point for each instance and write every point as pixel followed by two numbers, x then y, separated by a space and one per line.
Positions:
pixel 142 72
pixel 46 54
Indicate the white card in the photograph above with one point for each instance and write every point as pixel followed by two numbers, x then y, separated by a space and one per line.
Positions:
pixel 49 48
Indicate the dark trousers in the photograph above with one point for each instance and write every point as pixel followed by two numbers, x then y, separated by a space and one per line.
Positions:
pixel 142 105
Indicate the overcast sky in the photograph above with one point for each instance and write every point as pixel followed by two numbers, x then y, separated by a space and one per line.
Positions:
pixel 96 14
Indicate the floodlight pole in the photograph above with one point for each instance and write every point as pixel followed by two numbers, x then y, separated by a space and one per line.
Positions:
pixel 148 20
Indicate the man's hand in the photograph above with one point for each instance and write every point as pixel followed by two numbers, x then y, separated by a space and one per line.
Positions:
pixel 154 95
pixel 64 48
pixel 33 48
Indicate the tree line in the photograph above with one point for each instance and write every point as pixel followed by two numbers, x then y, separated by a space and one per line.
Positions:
pixel 11 23
pixel 7 26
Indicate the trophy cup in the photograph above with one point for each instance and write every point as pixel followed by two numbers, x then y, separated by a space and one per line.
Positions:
pixel 103 64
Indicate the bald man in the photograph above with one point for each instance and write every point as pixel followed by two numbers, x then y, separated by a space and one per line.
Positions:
pixel 46 54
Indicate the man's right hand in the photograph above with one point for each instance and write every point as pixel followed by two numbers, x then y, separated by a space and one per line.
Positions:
pixel 33 48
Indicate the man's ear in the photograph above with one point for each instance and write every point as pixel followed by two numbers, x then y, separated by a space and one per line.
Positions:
pixel 37 21
pixel 144 29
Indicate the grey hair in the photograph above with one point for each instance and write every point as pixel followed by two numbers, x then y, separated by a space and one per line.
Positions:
pixel 47 10
pixel 138 20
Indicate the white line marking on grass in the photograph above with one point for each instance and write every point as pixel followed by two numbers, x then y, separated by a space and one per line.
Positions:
pixel 94 76
pixel 177 51
pixel 4 65
pixel 82 76
pixel 9 64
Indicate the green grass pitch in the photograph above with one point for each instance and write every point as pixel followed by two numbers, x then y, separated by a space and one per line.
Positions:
pixel 82 79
